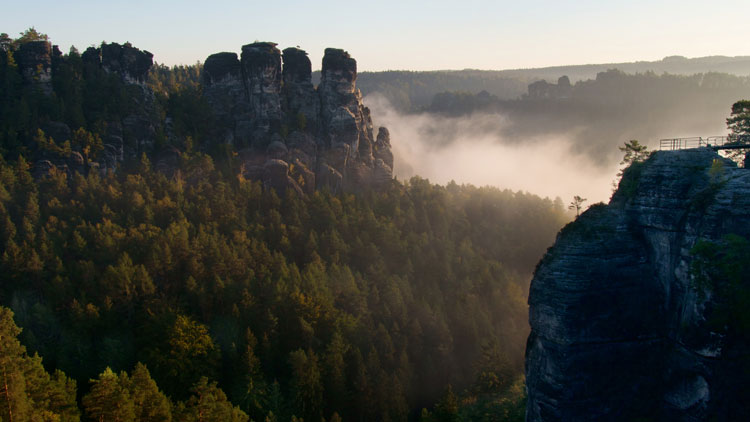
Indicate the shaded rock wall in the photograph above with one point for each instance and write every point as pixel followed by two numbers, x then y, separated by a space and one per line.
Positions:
pixel 619 331
pixel 133 133
pixel 127 135
pixel 35 62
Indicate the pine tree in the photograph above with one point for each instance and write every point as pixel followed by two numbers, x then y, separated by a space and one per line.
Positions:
pixel 108 400
pixel 27 391
pixel 306 387
pixel 209 404
pixel 446 410
pixel 151 405
pixel 15 405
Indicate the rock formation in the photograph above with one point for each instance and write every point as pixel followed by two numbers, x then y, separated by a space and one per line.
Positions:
pixel 135 132
pixel 35 61
pixel 620 330
pixel 127 134
pixel 288 133
pixel 125 60
pixel 274 114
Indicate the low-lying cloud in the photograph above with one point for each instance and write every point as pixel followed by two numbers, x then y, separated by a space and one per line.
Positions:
pixel 471 150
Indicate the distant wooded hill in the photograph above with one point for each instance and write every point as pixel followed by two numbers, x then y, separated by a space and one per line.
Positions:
pixel 410 91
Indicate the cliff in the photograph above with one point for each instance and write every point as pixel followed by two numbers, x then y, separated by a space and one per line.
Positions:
pixel 620 327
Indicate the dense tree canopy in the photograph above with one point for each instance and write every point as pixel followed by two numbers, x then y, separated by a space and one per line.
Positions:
pixel 363 305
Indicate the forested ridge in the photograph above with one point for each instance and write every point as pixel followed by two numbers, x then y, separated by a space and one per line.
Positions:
pixel 191 293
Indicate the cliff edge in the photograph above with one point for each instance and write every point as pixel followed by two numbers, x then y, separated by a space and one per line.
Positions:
pixel 621 329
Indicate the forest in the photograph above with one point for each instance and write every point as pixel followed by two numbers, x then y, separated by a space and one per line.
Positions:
pixel 295 306
pixel 190 293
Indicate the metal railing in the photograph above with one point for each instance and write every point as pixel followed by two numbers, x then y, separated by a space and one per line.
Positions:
pixel 715 142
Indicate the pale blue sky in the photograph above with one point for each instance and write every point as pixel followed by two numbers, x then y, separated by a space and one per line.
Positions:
pixel 412 35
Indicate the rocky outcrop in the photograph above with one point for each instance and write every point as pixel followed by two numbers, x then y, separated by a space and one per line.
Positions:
pixel 620 330
pixel 273 112
pixel 130 63
pixel 261 68
pixel 301 102
pixel 35 62
pixel 263 103
pixel 135 133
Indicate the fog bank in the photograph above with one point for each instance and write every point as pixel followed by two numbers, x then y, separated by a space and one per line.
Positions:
pixel 470 150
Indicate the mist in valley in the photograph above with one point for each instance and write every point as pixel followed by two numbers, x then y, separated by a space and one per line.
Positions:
pixel 561 144
pixel 472 150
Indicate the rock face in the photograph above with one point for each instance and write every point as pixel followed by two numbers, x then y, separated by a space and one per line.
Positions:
pixel 135 133
pixel 125 60
pixel 620 330
pixel 274 113
pixel 35 61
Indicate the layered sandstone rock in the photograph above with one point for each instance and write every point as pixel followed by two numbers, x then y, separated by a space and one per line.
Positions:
pixel 620 331
pixel 273 112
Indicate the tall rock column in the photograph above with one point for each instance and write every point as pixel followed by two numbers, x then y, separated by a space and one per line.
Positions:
pixel 261 67
pixel 346 126
pixel 224 89
pixel 300 102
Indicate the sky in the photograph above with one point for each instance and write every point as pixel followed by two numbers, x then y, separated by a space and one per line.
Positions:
pixel 402 34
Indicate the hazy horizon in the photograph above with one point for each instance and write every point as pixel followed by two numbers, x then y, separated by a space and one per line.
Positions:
pixel 392 35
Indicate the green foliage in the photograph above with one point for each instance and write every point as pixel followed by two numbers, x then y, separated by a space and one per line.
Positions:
pixel 209 404
pixel 446 409
pixel 633 160
pixel 634 152
pixel 187 353
pixel 88 143
pixel 702 199
pixel 738 122
pixel 27 391
pixel 577 204
pixel 151 405
pixel 109 399
pixel 720 269
pixel 349 302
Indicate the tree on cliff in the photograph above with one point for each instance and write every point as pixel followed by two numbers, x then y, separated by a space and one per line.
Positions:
pixel 634 151
pixel 29 35
pixel 738 124
pixel 738 121
pixel 577 204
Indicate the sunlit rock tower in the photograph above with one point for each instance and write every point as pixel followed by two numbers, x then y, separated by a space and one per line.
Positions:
pixel 290 134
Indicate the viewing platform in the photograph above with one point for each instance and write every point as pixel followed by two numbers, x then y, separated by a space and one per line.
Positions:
pixel 715 142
